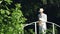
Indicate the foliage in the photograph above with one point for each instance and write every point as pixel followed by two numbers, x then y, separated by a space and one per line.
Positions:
pixel 30 31
pixel 11 18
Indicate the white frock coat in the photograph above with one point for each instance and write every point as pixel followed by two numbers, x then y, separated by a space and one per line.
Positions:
pixel 43 18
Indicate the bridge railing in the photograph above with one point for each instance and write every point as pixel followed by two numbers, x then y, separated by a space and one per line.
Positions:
pixel 53 26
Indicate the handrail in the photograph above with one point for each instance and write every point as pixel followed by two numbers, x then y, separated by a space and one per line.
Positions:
pixel 54 24
pixel 47 22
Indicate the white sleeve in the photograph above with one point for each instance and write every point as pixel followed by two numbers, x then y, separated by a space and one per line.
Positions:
pixel 44 18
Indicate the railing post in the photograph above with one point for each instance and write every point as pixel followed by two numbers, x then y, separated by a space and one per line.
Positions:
pixel 35 28
pixel 53 28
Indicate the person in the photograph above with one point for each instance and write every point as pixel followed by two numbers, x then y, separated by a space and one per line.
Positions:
pixel 42 21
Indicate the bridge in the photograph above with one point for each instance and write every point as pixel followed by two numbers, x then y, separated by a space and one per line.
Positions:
pixel 53 26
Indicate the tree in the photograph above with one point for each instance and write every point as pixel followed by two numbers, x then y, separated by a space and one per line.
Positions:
pixel 11 18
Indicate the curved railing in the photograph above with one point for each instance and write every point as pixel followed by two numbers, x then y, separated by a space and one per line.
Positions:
pixel 47 22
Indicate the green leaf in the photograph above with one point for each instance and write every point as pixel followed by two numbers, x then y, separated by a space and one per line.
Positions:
pixel 9 1
pixel 2 11
pixel 7 12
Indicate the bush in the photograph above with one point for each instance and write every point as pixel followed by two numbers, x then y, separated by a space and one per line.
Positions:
pixel 11 19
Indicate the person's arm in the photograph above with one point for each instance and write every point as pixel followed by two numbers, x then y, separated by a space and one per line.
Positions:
pixel 44 19
pixel 39 21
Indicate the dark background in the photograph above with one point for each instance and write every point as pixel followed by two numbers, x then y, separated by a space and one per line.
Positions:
pixel 30 10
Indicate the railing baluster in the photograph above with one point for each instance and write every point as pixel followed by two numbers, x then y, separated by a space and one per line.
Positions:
pixel 53 28
pixel 35 28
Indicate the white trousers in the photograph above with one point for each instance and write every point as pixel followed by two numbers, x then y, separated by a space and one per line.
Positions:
pixel 42 28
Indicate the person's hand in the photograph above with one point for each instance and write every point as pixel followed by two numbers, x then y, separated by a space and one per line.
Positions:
pixel 40 22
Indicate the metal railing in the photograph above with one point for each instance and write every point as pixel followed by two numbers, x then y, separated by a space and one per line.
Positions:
pixel 47 22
